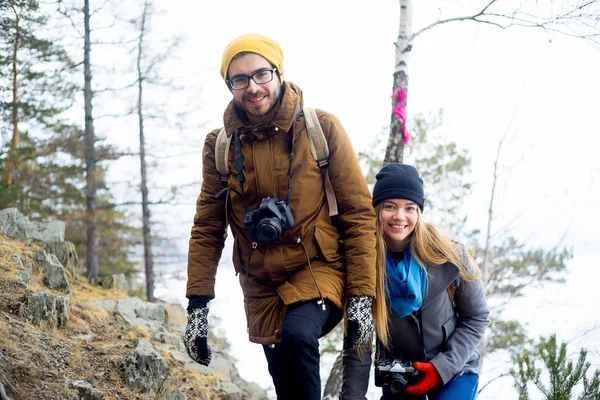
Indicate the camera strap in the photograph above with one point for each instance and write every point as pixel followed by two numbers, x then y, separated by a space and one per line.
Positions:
pixel 290 171
pixel 238 163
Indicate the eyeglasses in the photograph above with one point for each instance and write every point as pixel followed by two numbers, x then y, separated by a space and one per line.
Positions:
pixel 261 77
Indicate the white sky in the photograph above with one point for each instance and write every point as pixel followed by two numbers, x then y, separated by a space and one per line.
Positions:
pixel 341 53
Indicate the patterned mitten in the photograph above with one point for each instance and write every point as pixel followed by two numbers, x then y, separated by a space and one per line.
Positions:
pixel 360 322
pixel 196 336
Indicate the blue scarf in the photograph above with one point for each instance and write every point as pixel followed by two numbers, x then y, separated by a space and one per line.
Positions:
pixel 406 284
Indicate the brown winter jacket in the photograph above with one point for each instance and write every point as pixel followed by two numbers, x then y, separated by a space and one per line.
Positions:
pixel 341 249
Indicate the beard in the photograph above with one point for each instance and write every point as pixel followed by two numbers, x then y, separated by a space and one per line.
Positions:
pixel 270 101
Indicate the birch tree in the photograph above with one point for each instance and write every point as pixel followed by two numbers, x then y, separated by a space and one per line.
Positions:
pixel 399 136
pixel 578 19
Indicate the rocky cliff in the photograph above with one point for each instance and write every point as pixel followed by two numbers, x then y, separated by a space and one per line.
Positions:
pixel 62 337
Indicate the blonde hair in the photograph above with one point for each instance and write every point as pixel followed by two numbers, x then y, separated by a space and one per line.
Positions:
pixel 380 313
pixel 430 248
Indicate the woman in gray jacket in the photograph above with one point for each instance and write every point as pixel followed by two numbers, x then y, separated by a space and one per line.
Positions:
pixel 437 311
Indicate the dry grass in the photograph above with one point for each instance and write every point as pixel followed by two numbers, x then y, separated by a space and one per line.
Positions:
pixel 82 289
pixel 36 360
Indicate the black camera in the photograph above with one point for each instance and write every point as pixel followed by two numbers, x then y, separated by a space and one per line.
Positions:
pixel 395 374
pixel 270 219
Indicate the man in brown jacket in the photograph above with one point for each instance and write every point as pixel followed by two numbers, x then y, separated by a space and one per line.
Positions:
pixel 299 268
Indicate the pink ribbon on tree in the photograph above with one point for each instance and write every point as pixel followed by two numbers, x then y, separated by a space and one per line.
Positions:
pixel 400 111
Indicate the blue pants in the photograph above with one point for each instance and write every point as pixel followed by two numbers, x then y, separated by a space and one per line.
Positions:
pixel 463 387
pixel 294 361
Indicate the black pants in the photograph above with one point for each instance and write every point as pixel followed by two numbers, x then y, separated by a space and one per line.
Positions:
pixel 356 366
pixel 294 361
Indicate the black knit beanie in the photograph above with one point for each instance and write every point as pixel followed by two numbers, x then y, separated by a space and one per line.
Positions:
pixel 399 181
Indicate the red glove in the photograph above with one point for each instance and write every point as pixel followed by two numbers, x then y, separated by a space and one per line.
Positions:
pixel 430 379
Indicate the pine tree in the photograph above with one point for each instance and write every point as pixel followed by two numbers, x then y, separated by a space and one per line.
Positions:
pixel 60 180
pixel 564 378
pixel 36 71
pixel 42 159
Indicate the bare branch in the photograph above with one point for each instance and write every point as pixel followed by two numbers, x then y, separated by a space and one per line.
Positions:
pixel 93 12
pixel 582 15
pixel 128 114
pixel 66 14
pixel 186 153
pixel 486 7
pixel 118 89
pixel 134 203
pixel 586 332
pixel 491 381
pixel 465 18
pixel 127 154
pixel 117 43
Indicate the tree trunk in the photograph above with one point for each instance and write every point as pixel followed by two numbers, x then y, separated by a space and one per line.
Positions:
pixel 3 395
pixel 11 159
pixel 334 382
pixel 90 157
pixel 398 133
pixel 396 142
pixel 482 347
pixel 148 260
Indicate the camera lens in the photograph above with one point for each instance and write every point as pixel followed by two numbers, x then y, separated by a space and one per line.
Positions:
pixel 397 383
pixel 268 229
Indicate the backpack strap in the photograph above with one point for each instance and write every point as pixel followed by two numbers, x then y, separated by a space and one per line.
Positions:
pixel 451 294
pixel 320 151
pixel 318 148
pixel 222 155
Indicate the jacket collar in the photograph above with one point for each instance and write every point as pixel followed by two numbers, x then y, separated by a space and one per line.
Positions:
pixel 291 101
pixel 438 280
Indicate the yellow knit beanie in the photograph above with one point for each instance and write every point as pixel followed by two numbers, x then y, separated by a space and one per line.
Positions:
pixel 254 43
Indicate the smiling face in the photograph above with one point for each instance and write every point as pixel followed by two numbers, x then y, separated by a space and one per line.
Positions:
pixel 259 101
pixel 398 219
